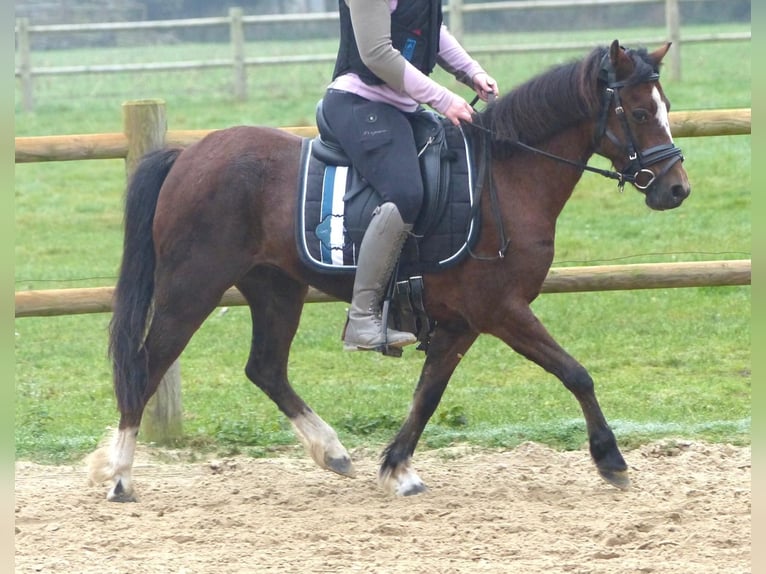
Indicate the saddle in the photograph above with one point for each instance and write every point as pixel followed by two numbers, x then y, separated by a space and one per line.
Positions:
pixel 336 205
pixel 435 158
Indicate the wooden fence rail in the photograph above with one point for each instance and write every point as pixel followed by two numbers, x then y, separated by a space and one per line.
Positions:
pixel 145 129
pixel 696 123
pixel 53 302
pixel 239 61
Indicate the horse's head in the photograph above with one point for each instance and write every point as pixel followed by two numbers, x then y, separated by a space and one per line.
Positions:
pixel 633 130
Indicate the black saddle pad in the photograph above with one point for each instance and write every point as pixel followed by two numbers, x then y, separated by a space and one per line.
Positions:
pixel 336 204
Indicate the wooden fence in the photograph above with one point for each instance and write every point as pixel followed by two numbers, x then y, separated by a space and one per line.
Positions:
pixel 53 302
pixel 145 128
pixel 239 61
pixel 698 123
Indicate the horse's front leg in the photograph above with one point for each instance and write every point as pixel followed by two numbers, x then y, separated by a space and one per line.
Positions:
pixel 448 345
pixel 522 330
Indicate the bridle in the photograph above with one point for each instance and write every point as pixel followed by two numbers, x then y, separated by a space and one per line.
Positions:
pixel 637 171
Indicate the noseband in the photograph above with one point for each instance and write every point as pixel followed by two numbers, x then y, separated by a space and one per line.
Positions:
pixel 637 171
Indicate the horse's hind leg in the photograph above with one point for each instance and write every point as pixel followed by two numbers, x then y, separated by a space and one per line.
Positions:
pixel 276 302
pixel 447 346
pixel 176 317
pixel 114 464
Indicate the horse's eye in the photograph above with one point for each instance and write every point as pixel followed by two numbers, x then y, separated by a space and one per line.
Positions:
pixel 640 115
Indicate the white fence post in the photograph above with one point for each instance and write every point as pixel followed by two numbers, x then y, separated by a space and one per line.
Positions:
pixel 456 19
pixel 25 64
pixel 237 36
pixel 673 23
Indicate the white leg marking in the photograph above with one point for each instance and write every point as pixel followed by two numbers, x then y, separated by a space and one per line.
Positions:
pixel 116 465
pixel 662 112
pixel 321 441
pixel 403 481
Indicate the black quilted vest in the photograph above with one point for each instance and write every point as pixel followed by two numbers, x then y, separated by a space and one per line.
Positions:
pixel 415 28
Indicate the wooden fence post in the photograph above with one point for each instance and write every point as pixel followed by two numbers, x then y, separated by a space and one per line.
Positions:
pixel 237 34
pixel 25 65
pixel 145 126
pixel 456 19
pixel 673 25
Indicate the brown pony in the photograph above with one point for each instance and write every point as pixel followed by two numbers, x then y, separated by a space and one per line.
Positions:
pixel 222 212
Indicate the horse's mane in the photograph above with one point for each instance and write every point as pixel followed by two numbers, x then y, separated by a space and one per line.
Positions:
pixel 554 100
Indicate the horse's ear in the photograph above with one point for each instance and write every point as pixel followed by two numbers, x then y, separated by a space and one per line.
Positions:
pixel 614 50
pixel 621 62
pixel 659 54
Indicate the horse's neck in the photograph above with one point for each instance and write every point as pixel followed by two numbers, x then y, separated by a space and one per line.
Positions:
pixel 548 182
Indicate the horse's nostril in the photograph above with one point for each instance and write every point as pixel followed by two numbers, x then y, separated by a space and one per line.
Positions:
pixel 680 192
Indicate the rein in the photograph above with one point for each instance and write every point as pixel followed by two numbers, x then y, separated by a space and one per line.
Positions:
pixel 621 178
pixel 486 171
pixel 486 160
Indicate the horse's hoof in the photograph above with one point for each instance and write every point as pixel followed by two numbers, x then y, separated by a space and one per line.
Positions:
pixel 120 494
pixel 121 498
pixel 405 482
pixel 412 489
pixel 617 478
pixel 341 465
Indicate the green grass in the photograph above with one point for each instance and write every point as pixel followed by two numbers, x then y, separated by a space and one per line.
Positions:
pixel 667 363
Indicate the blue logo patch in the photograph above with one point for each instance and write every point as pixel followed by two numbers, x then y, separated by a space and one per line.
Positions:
pixel 409 48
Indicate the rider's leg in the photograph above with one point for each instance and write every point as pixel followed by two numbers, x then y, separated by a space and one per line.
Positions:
pixel 378 253
pixel 379 140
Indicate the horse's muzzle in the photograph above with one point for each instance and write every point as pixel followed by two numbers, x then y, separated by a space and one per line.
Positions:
pixel 667 195
pixel 669 187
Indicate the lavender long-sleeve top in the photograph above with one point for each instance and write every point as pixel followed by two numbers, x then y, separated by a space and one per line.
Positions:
pixel 405 86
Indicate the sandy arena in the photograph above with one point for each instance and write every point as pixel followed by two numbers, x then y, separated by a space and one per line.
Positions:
pixel 529 510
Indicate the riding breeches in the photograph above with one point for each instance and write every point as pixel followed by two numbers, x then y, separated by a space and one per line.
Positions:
pixel 379 140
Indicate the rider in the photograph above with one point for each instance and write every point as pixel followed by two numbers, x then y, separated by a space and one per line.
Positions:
pixel 387 50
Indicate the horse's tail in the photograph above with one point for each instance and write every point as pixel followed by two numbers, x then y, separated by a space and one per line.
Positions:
pixel 135 285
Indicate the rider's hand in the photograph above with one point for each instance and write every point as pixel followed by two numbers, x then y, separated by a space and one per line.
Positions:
pixel 459 110
pixel 484 85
